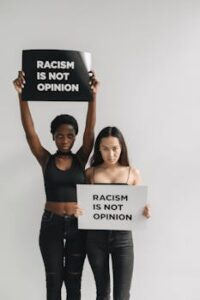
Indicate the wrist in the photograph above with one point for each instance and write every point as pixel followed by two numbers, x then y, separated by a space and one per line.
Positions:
pixel 94 96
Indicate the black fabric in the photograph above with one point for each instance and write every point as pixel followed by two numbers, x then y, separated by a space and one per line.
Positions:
pixel 58 152
pixel 63 250
pixel 100 245
pixel 60 186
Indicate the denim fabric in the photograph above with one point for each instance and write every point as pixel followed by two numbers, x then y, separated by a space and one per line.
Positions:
pixel 63 250
pixel 100 245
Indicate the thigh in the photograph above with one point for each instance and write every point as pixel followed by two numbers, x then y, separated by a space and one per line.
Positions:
pixel 122 262
pixel 75 249
pixel 99 262
pixel 74 260
pixel 98 249
pixel 98 256
pixel 51 243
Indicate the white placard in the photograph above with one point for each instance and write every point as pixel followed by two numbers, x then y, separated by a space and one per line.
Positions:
pixel 111 207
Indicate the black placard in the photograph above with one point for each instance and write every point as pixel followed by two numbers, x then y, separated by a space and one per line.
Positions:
pixel 56 75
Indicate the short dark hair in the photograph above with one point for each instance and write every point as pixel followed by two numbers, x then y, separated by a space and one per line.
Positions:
pixel 64 119
pixel 97 159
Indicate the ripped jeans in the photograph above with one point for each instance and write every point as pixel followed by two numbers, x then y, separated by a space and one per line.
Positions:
pixel 63 250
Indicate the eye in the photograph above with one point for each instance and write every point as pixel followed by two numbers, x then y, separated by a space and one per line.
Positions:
pixel 103 149
pixel 71 136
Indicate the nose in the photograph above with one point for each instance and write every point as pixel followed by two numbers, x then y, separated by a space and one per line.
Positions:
pixel 111 154
pixel 65 139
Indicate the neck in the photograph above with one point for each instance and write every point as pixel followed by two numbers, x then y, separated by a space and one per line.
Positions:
pixel 110 166
pixel 62 153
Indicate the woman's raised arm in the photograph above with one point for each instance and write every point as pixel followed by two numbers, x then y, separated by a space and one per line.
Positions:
pixel 88 136
pixel 39 152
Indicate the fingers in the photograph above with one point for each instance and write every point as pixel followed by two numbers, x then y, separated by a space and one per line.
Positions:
pixel 91 73
pixel 78 212
pixel 146 212
pixel 93 81
pixel 19 81
pixel 92 77
pixel 17 85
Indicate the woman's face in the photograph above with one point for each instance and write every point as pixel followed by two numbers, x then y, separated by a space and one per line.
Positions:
pixel 110 149
pixel 64 137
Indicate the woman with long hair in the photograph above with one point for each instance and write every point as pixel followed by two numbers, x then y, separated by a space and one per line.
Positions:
pixel 110 165
pixel 62 245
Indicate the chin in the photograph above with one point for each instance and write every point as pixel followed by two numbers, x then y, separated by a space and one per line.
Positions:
pixel 113 162
pixel 64 149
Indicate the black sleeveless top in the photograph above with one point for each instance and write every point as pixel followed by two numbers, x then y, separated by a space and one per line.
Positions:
pixel 60 185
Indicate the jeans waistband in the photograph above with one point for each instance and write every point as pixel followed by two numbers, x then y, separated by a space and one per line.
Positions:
pixel 50 213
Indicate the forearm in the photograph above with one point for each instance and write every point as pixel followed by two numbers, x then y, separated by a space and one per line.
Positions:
pixel 88 137
pixel 26 117
pixel 91 115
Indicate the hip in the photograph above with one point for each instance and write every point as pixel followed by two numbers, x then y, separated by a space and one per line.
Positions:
pixel 110 237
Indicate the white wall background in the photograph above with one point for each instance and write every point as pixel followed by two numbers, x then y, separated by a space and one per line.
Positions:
pixel 147 56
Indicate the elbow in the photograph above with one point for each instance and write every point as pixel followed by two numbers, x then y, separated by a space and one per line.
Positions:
pixel 30 136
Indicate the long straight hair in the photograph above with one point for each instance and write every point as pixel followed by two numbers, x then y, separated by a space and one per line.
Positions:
pixel 97 159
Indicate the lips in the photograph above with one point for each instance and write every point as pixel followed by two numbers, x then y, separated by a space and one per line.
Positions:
pixel 65 147
pixel 111 160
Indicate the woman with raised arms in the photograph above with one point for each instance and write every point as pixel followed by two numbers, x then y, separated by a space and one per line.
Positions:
pixel 61 243
pixel 110 165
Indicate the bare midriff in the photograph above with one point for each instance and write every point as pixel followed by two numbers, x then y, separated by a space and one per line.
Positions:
pixel 61 208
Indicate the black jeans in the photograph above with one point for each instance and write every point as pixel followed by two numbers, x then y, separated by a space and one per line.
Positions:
pixel 118 244
pixel 63 250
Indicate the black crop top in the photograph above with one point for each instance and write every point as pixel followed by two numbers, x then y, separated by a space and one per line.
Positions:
pixel 60 185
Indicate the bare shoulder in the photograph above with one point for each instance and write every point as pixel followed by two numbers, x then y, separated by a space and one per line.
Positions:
pixel 135 177
pixel 135 171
